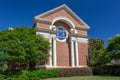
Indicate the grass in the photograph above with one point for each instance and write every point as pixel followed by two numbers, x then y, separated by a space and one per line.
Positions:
pixel 87 78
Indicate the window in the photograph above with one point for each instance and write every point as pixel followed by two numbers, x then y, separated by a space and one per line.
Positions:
pixel 61 33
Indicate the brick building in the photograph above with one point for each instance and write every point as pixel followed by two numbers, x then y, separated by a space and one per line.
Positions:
pixel 67 34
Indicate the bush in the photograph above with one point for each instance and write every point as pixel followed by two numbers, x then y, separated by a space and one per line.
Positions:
pixel 68 72
pixel 29 75
pixel 43 73
pixel 112 70
pixel 11 73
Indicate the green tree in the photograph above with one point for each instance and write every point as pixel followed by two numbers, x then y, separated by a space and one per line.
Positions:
pixel 97 52
pixel 23 47
pixel 3 59
pixel 114 47
pixel 95 45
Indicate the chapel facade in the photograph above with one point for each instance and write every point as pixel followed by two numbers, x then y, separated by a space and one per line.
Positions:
pixel 67 34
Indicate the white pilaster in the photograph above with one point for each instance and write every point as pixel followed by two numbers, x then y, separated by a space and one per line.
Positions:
pixel 72 54
pixel 54 53
pixel 50 52
pixel 77 56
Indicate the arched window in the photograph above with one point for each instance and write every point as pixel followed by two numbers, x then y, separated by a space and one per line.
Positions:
pixel 61 33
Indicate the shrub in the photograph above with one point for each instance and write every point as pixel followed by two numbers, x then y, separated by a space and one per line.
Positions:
pixel 113 70
pixel 11 73
pixel 28 75
pixel 67 72
pixel 42 74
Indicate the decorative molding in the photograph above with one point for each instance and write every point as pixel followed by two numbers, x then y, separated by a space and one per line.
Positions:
pixel 79 35
pixel 80 28
pixel 41 20
pixel 78 39
pixel 64 19
pixel 46 30
pixel 83 40
pixel 82 66
pixel 65 37
pixel 39 66
pixel 48 66
pixel 67 9
pixel 46 35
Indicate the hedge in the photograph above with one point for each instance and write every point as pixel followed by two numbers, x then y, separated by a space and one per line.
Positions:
pixel 111 70
pixel 44 73
pixel 29 75
pixel 68 72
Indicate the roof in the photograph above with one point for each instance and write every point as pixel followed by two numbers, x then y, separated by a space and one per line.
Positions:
pixel 65 7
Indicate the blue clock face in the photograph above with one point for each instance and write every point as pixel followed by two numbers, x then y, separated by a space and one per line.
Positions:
pixel 61 33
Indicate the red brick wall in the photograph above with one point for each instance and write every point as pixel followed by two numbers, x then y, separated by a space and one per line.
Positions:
pixel 82 32
pixel 83 53
pixel 63 53
pixel 43 25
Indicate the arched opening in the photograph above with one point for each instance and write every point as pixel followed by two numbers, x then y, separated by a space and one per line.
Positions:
pixel 63 52
pixel 65 21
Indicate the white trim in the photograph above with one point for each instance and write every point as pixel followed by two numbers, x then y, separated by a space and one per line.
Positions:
pixel 77 56
pixel 66 34
pixel 39 66
pixel 83 40
pixel 72 54
pixel 47 66
pixel 45 34
pixel 83 66
pixel 54 53
pixel 66 20
pixel 50 58
pixel 79 39
pixel 65 7
pixel 50 26
pixel 61 18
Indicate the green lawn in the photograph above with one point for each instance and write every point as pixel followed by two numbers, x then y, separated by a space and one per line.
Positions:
pixel 88 78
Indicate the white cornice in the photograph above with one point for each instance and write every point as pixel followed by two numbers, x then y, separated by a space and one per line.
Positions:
pixel 65 7
pixel 78 39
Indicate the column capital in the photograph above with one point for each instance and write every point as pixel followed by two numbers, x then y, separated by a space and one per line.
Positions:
pixel 73 39
pixel 84 40
pixel 54 37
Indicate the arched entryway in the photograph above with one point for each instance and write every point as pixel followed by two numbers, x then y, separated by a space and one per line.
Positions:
pixel 62 44
pixel 63 48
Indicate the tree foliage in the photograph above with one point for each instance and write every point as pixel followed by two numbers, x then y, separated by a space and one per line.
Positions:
pixel 22 47
pixel 114 47
pixel 97 52
pixel 95 45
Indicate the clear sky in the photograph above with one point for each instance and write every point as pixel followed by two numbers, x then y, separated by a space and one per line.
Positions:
pixel 103 16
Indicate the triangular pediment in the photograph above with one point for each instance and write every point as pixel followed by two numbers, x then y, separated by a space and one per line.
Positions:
pixel 63 11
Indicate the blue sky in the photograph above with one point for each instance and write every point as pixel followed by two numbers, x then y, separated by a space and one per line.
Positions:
pixel 103 16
